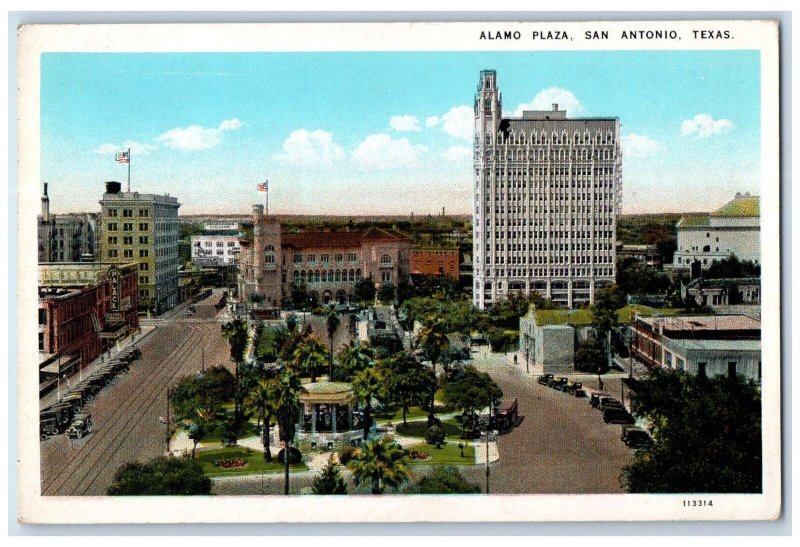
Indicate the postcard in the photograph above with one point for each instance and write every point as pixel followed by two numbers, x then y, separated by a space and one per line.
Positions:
pixel 448 272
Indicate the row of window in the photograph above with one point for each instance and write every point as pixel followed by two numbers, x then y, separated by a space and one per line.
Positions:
pixel 550 272
pixel 546 210
pixel 522 138
pixel 128 253
pixel 554 196
pixel 327 276
pixel 128 240
pixel 127 227
pixel 324 258
pixel 562 259
pixel 218 244
pixel 602 246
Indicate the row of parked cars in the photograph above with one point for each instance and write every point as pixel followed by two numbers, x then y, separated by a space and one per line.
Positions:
pixel 614 412
pixel 562 383
pixel 67 415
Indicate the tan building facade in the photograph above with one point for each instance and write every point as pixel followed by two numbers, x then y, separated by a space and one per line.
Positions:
pixel 327 264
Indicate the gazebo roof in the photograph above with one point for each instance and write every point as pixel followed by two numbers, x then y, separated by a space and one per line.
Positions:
pixel 339 393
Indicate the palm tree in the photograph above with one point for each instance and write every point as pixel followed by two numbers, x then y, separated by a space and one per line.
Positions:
pixel 262 399
pixel 354 357
pixel 287 401
pixel 433 338
pixel 198 427
pixel 309 356
pixel 382 463
pixel 236 333
pixel 332 323
pixel 366 384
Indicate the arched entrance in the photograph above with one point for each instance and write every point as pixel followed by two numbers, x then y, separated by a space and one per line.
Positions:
pixel 327 296
pixel 341 297
pixel 313 298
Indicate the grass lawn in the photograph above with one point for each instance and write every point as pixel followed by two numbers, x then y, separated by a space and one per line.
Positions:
pixel 583 317
pixel 215 435
pixel 449 454
pixel 396 416
pixel 255 462
pixel 419 429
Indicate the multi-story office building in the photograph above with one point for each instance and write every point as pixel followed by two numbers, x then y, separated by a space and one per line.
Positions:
pixel 547 195
pixel 66 238
pixel 733 229
pixel 143 228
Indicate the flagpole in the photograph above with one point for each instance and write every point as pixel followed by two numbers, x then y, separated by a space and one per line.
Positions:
pixel 266 196
pixel 129 170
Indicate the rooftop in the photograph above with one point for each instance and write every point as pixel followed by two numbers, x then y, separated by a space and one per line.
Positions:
pixel 342 239
pixel 583 317
pixel 694 220
pixel 339 393
pixel 705 322
pixel 743 205
pixel 716 345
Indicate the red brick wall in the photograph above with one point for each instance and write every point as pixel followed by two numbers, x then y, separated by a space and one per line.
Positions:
pixel 435 262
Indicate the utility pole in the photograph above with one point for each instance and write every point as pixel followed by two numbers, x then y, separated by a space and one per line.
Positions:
pixel 169 394
pixel 488 426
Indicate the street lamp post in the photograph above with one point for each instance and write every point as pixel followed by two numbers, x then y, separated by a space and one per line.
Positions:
pixel 169 394
pixel 488 426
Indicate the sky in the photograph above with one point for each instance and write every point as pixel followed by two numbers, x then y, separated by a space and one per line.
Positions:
pixel 383 132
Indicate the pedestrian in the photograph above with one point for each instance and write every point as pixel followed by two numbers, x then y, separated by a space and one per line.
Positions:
pixel 515 359
pixel 600 383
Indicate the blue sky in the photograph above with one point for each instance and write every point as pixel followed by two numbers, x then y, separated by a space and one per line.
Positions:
pixel 371 133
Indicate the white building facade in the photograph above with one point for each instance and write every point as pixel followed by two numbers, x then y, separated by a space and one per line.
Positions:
pixel 547 195
pixel 733 229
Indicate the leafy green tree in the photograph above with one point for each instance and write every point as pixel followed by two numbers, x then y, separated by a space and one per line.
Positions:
pixel 287 401
pixel 732 267
pixel 444 480
pixel 635 277
pixel 387 293
pixel 353 358
pixel 209 390
pixel 263 400
pixel 364 290
pixel 507 312
pixel 381 463
pixel 329 481
pixel 236 332
pixel 197 426
pixel 405 290
pixel 604 310
pixel 291 322
pixel 331 324
pixel 469 390
pixel 590 357
pixel 434 341
pixel 706 432
pixel 299 295
pixel 163 476
pixel 408 382
pixel 366 385
pixel 309 356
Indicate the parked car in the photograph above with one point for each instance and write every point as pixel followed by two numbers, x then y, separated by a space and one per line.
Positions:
pixel 558 383
pixel 576 388
pixel 594 399
pixel 544 379
pixel 617 416
pixel 81 425
pixel 636 437
pixel 608 402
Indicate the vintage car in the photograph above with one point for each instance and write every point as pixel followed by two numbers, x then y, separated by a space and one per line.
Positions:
pixel 81 425
pixel 608 402
pixel 617 416
pixel 636 437
pixel 544 379
pixel 506 415
pixel 558 383
pixel 576 388
pixel 54 419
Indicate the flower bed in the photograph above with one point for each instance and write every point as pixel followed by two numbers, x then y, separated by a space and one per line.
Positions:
pixel 233 463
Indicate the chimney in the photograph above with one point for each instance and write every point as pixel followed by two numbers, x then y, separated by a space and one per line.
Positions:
pixel 555 107
pixel 45 205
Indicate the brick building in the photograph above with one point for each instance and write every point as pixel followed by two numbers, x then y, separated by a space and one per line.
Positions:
pixel 83 309
pixel 435 261
pixel 66 238
pixel 328 264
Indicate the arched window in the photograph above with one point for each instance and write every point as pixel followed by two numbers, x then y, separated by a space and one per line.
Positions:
pixel 386 261
pixel 358 274
pixel 269 255
pixel 707 249
pixel 296 276
pixel 316 276
pixel 324 277
pixel 352 275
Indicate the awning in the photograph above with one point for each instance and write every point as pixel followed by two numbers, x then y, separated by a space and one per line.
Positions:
pixel 60 365
pixel 113 331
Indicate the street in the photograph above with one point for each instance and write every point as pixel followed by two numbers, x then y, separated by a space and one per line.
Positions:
pixel 562 445
pixel 126 414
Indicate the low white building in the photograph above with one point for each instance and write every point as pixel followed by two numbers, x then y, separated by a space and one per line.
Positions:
pixel 733 229
pixel 714 357
pixel 551 347
pixel 215 250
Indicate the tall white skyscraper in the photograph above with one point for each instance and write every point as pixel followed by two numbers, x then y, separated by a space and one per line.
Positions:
pixel 547 196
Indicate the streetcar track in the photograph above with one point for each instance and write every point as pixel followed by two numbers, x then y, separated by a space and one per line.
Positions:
pixel 123 409
pixel 127 415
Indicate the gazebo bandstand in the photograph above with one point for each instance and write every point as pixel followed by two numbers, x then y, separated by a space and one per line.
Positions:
pixel 326 417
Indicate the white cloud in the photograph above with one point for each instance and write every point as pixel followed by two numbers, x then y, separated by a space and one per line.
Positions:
pixel 459 122
pixel 703 126
pixel 432 121
pixel 381 151
pixel 457 153
pixel 638 146
pixel 137 148
pixel 310 148
pixel 405 123
pixel 546 98
pixel 196 137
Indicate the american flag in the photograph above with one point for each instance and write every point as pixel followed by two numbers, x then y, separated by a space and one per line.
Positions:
pixel 262 186
pixel 124 157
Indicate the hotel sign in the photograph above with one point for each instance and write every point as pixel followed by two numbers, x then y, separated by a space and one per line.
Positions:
pixel 116 289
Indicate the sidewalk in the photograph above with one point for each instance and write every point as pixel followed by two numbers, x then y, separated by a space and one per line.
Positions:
pixel 75 378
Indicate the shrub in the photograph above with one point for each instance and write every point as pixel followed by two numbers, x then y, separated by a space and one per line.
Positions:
pixel 295 456
pixel 435 435
pixel 346 454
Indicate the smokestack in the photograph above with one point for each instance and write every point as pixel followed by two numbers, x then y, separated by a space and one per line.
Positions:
pixel 45 205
